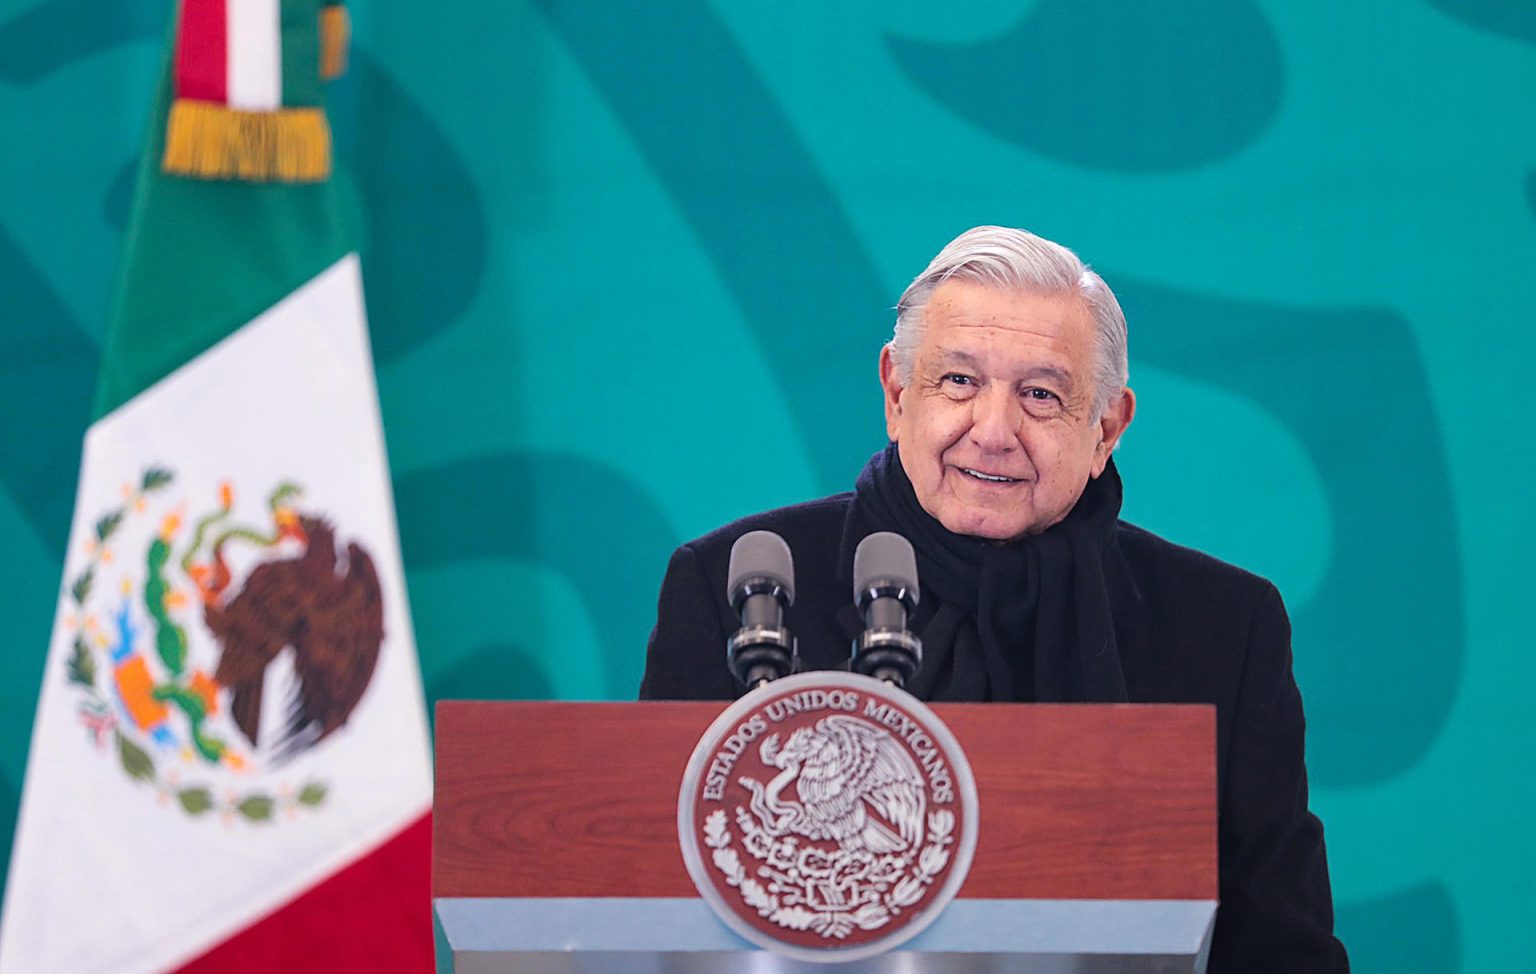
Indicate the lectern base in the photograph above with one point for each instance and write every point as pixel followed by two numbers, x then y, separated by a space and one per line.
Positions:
pixel 640 936
pixel 896 962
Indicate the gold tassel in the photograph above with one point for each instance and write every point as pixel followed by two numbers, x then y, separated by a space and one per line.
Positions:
pixel 207 140
pixel 335 32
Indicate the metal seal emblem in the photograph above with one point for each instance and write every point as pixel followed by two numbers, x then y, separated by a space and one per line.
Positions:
pixel 828 816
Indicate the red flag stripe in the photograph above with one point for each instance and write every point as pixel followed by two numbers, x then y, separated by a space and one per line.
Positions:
pixel 202 51
pixel 374 915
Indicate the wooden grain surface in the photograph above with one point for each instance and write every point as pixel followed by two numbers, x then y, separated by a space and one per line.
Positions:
pixel 580 799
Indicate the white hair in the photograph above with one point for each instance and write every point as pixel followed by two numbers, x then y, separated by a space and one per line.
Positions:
pixel 1017 260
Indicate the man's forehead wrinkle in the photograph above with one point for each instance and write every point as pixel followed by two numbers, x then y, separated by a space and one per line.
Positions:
pixel 1002 332
pixel 962 307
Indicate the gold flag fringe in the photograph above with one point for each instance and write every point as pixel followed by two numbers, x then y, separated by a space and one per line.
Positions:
pixel 335 33
pixel 207 140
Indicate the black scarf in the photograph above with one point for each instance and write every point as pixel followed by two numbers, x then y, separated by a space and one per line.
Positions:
pixel 1026 620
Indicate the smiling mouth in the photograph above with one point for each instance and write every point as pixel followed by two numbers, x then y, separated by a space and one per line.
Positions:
pixel 988 478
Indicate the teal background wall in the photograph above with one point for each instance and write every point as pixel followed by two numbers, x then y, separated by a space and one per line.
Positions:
pixel 604 237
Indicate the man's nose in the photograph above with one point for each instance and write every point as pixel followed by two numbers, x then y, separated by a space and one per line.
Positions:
pixel 995 417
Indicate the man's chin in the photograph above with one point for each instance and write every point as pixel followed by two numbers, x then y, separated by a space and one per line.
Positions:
pixel 986 526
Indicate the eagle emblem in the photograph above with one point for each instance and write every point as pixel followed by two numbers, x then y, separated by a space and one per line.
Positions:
pixel 828 816
pixel 857 786
pixel 212 647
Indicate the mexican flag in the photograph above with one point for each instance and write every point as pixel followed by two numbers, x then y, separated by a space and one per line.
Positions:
pixel 229 767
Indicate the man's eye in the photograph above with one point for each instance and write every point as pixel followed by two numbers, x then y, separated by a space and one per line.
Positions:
pixel 955 378
pixel 1042 402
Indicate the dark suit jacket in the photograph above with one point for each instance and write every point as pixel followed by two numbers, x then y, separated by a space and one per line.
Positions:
pixel 1190 629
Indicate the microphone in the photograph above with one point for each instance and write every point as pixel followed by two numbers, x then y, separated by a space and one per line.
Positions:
pixel 761 585
pixel 885 590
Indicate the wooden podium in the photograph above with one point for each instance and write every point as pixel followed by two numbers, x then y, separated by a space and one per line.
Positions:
pixel 555 844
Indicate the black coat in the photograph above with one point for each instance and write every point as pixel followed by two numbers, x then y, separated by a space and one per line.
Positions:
pixel 1190 629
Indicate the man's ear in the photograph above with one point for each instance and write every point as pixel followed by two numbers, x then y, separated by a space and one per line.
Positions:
pixel 1117 416
pixel 890 381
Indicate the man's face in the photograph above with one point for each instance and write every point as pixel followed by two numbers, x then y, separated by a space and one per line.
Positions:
pixel 996 428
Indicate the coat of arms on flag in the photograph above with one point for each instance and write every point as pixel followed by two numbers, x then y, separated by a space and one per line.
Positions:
pixel 182 618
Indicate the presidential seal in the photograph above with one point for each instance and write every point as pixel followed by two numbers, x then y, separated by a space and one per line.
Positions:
pixel 828 816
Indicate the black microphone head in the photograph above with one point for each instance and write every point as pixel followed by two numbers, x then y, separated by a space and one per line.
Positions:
pixel 884 560
pixel 760 555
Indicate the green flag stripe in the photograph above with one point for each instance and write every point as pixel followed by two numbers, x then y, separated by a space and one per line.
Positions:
pixel 204 257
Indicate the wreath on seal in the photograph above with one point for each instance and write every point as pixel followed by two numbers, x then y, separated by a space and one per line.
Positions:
pixel 831 893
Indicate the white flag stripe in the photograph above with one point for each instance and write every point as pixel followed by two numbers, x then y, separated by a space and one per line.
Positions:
pixel 289 395
pixel 254 39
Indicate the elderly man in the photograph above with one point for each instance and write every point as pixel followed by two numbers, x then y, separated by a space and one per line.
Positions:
pixel 1005 394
